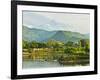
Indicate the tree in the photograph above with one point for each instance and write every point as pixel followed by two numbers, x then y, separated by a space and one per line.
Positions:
pixel 69 50
pixel 54 44
pixel 33 44
pixel 25 44
pixel 87 47
pixel 69 43
pixel 42 45
pixel 82 42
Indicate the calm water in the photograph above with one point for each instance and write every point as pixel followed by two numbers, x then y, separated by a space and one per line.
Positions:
pixel 40 64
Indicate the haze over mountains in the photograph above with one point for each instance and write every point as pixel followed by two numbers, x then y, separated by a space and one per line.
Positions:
pixel 39 35
pixel 57 21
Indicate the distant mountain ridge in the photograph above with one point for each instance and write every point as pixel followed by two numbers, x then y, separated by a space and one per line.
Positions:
pixel 33 34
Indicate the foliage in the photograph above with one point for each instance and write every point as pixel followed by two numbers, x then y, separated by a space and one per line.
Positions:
pixel 69 50
pixel 64 53
pixel 25 44
pixel 69 43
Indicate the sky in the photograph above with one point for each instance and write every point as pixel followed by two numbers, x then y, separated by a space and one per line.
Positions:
pixel 51 21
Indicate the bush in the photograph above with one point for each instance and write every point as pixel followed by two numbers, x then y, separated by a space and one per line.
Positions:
pixel 69 50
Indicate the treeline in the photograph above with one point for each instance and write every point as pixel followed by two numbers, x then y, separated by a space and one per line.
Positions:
pixel 69 47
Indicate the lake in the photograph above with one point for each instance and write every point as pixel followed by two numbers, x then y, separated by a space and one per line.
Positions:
pixel 40 64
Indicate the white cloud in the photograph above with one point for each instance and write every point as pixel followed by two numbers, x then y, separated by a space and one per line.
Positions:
pixel 53 21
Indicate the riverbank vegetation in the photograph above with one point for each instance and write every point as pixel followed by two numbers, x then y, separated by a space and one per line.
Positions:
pixel 69 53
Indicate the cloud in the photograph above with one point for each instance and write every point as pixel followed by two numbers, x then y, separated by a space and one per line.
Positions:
pixel 57 21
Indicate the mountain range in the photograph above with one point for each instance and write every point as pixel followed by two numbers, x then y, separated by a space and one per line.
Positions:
pixel 39 35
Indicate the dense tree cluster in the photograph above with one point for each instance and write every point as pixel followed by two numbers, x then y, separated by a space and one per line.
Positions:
pixel 70 47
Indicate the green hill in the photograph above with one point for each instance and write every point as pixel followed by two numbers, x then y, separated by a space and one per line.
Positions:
pixel 32 34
